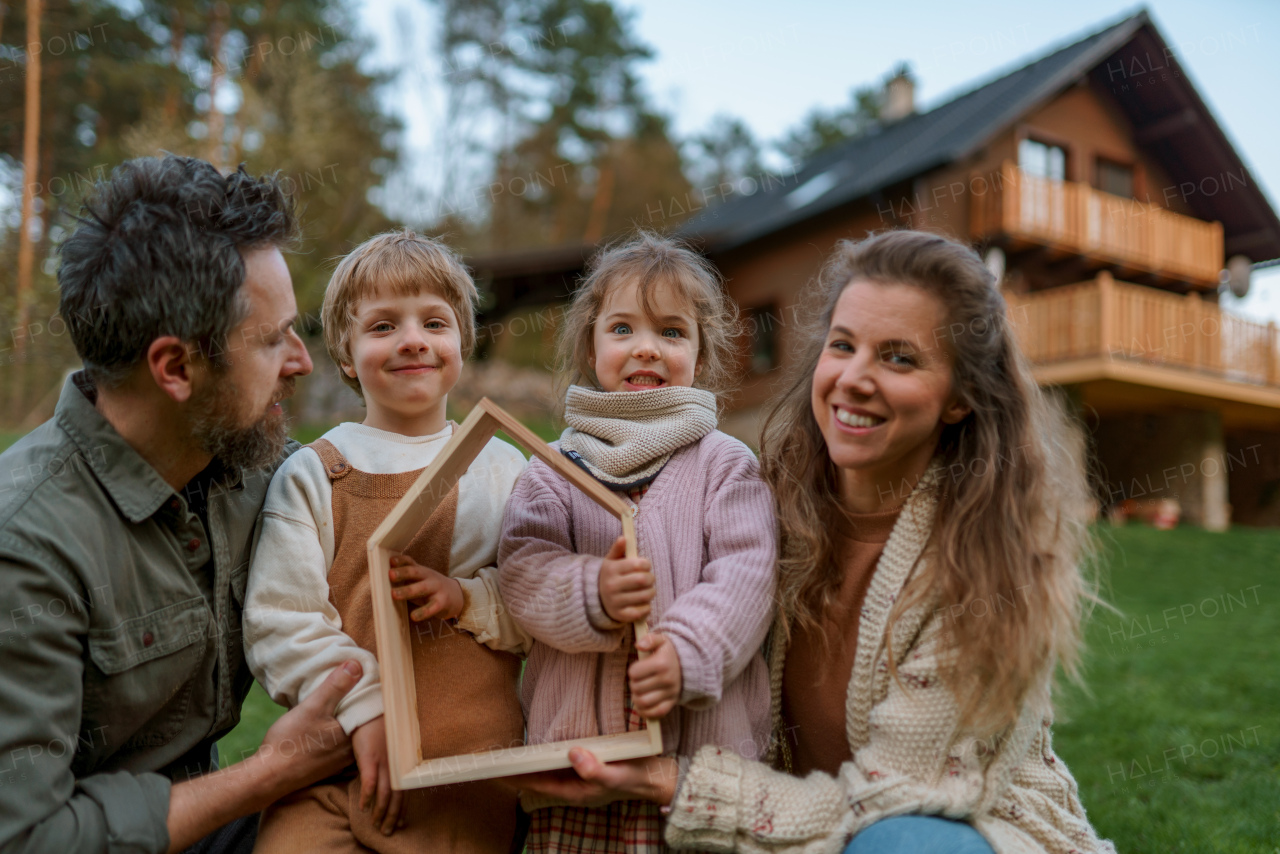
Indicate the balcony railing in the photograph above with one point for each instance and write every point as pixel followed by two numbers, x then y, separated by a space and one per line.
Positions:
pixel 1077 219
pixel 1118 320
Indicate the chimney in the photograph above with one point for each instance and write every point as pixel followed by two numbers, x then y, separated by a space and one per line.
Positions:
pixel 899 96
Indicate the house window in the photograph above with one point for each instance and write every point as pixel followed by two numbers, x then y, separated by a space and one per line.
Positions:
pixel 1115 178
pixel 1042 160
pixel 762 328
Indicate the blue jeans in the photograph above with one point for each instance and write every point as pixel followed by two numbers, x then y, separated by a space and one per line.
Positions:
pixel 919 834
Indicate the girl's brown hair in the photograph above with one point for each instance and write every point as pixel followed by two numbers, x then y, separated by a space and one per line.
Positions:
pixel 651 260
pixel 1004 565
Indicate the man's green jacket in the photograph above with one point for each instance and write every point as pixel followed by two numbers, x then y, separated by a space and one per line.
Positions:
pixel 121 660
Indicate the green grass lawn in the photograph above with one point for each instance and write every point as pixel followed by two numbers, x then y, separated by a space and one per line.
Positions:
pixel 7 438
pixel 1176 744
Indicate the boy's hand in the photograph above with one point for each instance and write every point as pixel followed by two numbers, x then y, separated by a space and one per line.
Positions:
pixel 435 595
pixel 626 584
pixel 369 741
pixel 656 681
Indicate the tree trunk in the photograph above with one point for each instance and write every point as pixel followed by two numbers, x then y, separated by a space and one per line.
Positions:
pixel 30 169
pixel 176 34
pixel 216 30
pixel 258 52
pixel 47 165
pixel 600 205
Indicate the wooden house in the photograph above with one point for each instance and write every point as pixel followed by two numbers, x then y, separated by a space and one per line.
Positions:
pixel 1099 181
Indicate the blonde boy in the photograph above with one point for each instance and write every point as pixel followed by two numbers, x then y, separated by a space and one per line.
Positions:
pixel 399 323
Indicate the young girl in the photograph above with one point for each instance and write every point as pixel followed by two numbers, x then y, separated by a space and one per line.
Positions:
pixel 650 322
pixel 932 504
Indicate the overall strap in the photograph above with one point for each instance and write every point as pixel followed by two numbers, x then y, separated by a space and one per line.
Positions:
pixel 335 464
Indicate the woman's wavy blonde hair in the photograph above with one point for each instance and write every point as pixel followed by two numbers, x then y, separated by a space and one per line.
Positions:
pixel 1010 538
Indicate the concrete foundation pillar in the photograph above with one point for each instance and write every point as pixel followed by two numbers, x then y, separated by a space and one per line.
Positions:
pixel 1214 493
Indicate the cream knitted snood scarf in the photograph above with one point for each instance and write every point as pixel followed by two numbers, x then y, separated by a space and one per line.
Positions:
pixel 624 438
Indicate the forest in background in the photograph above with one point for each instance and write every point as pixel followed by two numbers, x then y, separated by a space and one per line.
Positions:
pixel 542 100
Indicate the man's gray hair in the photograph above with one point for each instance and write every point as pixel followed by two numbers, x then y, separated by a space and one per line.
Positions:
pixel 158 251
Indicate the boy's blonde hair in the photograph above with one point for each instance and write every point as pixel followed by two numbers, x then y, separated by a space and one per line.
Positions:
pixel 407 263
pixel 650 260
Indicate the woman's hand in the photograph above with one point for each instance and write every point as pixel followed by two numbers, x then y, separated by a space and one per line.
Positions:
pixel 592 783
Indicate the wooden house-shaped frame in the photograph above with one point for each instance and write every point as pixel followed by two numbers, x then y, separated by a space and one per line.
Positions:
pixel 392 625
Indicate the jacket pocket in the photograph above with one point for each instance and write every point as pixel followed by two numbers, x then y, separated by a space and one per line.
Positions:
pixel 149 637
pixel 144 673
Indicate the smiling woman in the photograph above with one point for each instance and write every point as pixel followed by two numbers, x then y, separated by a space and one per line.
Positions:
pixel 905 717
pixel 882 390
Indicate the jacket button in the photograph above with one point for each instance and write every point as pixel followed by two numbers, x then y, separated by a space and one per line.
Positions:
pixel 147 638
pixel 336 468
pixel 193 544
pixel 173 504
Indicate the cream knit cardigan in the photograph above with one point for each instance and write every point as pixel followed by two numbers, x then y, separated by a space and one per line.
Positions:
pixel 908 755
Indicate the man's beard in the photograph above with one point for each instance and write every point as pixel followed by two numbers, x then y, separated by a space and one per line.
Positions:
pixel 215 425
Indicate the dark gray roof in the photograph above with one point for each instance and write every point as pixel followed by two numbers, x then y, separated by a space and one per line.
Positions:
pixel 906 148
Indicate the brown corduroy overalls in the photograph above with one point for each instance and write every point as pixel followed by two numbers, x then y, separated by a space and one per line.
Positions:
pixel 467 698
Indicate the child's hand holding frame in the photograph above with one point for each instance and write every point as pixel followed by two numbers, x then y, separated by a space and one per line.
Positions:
pixel 626 591
pixel 626 584
pixel 369 743
pixel 433 594
pixel 656 681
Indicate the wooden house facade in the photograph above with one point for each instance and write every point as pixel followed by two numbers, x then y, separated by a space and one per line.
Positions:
pixel 1099 182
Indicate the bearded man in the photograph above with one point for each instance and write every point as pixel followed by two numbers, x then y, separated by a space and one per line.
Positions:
pixel 126 523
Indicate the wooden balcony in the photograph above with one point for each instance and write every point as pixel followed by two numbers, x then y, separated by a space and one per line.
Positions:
pixel 1104 329
pixel 1075 219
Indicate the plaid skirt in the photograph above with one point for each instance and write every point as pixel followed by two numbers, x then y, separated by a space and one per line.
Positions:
pixel 622 827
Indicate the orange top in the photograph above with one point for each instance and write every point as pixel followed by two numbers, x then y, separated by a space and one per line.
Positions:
pixel 815 678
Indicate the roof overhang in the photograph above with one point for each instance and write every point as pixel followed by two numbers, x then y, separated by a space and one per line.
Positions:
pixel 530 262
pixel 1176 127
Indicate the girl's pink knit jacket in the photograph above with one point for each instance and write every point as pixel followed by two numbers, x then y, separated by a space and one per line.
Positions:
pixel 707 526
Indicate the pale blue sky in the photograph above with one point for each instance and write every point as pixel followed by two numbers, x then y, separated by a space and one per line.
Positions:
pixel 770 62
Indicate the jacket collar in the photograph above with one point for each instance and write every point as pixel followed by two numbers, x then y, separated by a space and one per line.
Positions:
pixel 135 487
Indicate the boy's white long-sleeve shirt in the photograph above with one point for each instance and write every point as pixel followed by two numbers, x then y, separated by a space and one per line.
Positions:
pixel 293 634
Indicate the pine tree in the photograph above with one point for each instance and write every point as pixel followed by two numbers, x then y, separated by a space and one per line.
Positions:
pixel 275 84
pixel 577 152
